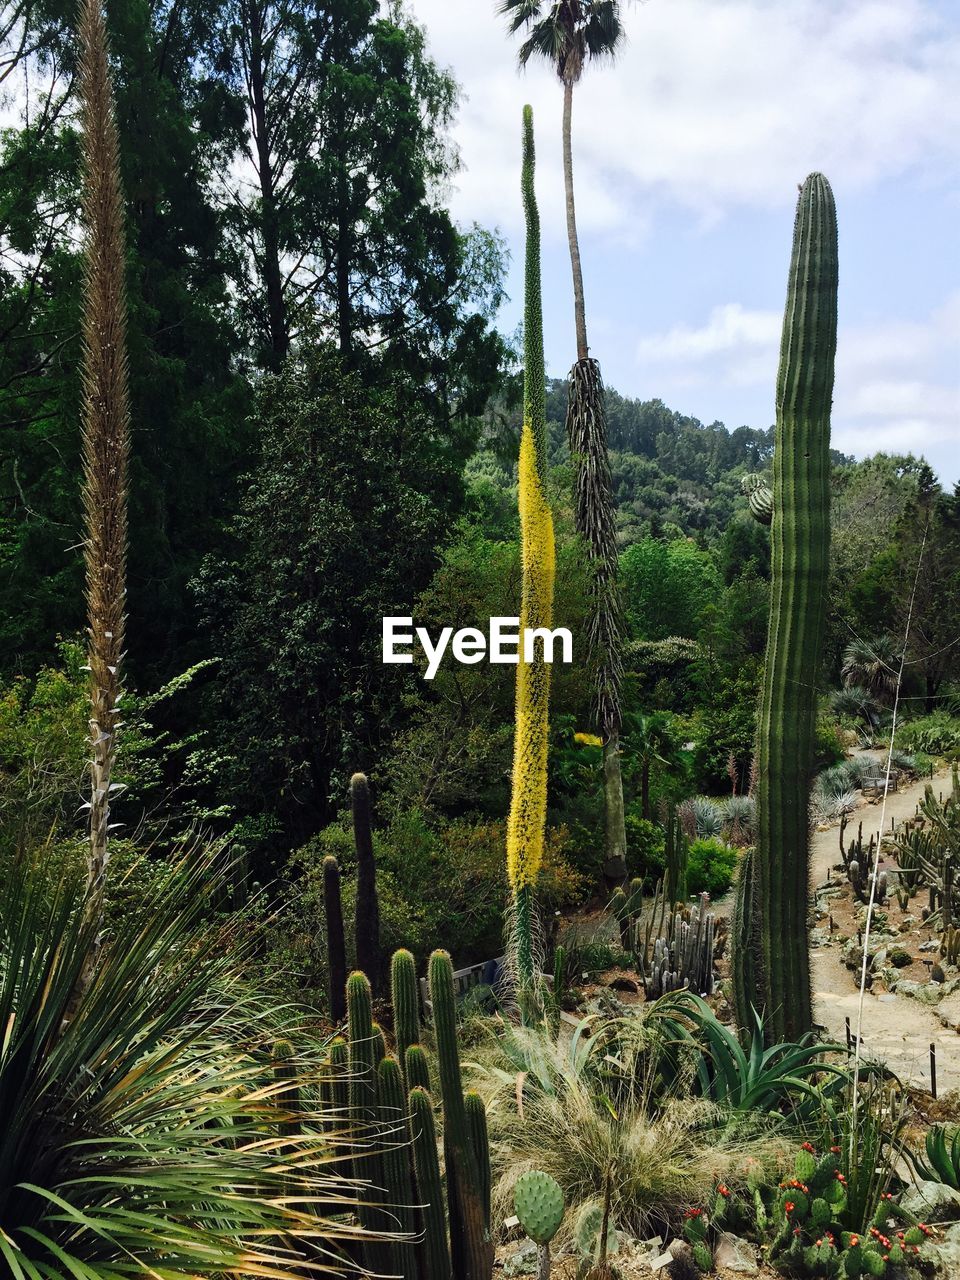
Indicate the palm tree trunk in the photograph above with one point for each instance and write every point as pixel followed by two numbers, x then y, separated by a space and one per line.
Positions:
pixel 579 309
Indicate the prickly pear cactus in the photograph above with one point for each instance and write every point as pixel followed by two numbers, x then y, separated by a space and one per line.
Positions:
pixel 538 1202
pixel 587 1229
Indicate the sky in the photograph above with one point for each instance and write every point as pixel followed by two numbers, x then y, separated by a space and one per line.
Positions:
pixel 688 152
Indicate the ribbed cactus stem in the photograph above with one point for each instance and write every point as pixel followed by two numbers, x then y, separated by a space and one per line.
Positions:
pixel 368 908
pixel 397 1181
pixel 528 807
pixel 406 1005
pixel 800 547
pixel 363 1115
pixel 288 1093
pixel 480 1141
pixel 473 1247
pixel 434 1249
pixel 417 1067
pixel 336 950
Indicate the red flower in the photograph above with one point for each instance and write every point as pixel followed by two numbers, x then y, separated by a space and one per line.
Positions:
pixel 789 1207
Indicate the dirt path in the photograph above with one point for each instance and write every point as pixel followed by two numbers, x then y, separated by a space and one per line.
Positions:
pixel 896 1029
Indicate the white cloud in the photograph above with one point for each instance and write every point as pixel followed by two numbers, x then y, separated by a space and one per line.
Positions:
pixel 897 387
pixel 714 104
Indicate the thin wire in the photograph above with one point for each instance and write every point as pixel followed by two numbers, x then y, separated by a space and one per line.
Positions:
pixel 876 858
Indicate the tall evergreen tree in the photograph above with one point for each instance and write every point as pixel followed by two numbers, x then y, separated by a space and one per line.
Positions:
pixel 569 34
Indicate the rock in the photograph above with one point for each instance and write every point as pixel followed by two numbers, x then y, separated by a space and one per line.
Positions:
pixel 820 938
pixel 944 1251
pixel 734 1254
pixel 932 945
pixel 523 1262
pixel 925 992
pixel 931 1201
pixel 624 984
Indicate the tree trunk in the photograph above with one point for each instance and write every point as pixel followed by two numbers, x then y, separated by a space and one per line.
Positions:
pixel 579 310
pixel 269 228
pixel 615 861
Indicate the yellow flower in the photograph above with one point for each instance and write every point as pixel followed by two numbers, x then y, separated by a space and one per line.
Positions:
pixel 588 740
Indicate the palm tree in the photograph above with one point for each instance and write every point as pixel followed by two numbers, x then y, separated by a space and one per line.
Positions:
pixel 872 665
pixel 569 34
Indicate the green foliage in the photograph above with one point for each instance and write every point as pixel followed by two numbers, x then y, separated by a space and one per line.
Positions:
pixel 793 1077
pixel 179 1107
pixel 666 587
pixel 942 1163
pixel 646 855
pixel 711 867
pixel 935 735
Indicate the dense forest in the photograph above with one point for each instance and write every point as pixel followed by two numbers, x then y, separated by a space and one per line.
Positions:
pixel 326 427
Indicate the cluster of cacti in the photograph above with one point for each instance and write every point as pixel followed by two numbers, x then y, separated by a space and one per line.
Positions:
pixel 538 1203
pixel 528 805
pixel 950 945
pixel 683 957
pixel 800 545
pixel 862 880
pixel 381 1118
pixel 802 1225
pixel 927 849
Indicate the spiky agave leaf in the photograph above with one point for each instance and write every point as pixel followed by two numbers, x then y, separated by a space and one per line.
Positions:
pixel 150 1134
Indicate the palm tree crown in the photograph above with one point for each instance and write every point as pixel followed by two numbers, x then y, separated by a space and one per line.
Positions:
pixel 566 33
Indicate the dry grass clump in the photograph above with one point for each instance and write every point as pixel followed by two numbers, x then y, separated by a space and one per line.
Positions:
pixel 576 1107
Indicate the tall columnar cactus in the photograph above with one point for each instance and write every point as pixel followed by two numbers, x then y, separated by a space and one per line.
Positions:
pixel 528 808
pixel 288 1092
pixel 746 959
pixel 800 546
pixel 363 1115
pixel 480 1141
pixel 336 950
pixel 406 1005
pixel 434 1249
pixel 395 1159
pixel 368 908
pixel 470 1234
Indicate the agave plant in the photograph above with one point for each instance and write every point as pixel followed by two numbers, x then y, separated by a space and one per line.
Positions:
pixel 700 818
pixel 738 814
pixel 793 1077
pixel 148 1133
pixel 942 1163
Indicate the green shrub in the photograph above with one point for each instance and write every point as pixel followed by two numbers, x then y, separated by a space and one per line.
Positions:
pixel 828 746
pixel 711 867
pixel 936 735
pixel 645 847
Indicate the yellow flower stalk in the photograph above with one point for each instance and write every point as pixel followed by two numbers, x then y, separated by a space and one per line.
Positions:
pixel 528 807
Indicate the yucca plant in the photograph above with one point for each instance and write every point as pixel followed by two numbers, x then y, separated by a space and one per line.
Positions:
pixel 149 1133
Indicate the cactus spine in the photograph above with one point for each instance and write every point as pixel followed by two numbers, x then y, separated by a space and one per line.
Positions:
pixel 800 545
pixel 528 807
pixel 434 1250
pixel 336 950
pixel 368 909
pixel 397 1181
pixel 403 995
pixel 469 1232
